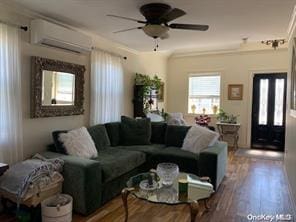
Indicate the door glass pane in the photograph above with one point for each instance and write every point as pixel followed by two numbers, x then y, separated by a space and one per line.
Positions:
pixel 263 101
pixel 279 102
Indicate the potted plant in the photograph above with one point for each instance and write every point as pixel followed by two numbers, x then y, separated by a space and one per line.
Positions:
pixel 147 84
pixel 224 117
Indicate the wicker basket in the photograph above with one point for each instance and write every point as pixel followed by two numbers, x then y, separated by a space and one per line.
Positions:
pixel 57 213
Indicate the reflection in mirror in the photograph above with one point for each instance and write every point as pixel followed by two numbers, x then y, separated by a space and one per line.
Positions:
pixel 58 88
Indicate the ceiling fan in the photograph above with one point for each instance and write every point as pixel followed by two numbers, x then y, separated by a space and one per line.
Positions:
pixel 158 16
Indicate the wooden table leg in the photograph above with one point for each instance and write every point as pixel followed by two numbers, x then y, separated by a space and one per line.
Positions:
pixel 124 195
pixel 193 210
pixel 206 204
pixel 236 143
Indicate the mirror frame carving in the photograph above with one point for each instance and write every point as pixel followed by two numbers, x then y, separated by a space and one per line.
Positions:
pixel 37 109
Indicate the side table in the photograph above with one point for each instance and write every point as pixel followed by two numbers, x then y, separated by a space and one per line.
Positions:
pixel 229 129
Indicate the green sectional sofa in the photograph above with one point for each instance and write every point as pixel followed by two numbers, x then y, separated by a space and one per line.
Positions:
pixel 93 182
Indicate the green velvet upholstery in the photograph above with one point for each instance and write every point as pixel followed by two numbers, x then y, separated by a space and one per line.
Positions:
pixel 213 162
pixel 135 131
pixel 158 130
pixel 114 187
pixel 93 182
pixel 116 162
pixel 113 130
pixel 175 135
pixel 148 149
pixel 187 161
pixel 82 180
pixel 100 136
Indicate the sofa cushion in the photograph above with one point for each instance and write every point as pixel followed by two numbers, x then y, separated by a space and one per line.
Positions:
pixel 135 131
pixel 158 130
pixel 175 135
pixel 99 136
pixel 148 149
pixel 187 161
pixel 116 162
pixel 59 147
pixel 113 130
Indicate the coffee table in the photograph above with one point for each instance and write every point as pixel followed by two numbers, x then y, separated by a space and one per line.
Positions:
pixel 199 189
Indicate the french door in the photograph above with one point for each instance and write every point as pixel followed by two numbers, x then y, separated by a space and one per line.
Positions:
pixel 269 111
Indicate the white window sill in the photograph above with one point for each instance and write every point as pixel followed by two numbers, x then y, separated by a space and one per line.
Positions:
pixel 198 114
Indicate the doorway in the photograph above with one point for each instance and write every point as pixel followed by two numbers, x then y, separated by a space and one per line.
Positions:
pixel 269 111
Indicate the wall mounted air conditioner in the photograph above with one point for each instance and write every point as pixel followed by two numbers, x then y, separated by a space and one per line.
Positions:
pixel 49 34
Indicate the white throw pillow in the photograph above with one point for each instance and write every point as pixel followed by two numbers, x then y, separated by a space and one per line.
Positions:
pixel 199 138
pixel 176 119
pixel 78 142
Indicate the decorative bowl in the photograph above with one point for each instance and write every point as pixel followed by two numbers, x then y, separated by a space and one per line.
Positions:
pixel 144 185
pixel 167 173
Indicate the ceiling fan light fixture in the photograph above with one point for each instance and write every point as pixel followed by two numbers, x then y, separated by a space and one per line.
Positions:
pixel 155 30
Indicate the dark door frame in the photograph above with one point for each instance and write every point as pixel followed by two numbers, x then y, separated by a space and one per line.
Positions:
pixel 266 73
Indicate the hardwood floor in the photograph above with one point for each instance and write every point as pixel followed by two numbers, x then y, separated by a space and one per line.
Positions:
pixel 251 186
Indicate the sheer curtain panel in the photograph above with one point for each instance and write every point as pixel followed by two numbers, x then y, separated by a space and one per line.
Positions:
pixel 106 87
pixel 11 149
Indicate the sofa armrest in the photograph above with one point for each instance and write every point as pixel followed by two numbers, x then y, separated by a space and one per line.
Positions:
pixel 213 163
pixel 82 180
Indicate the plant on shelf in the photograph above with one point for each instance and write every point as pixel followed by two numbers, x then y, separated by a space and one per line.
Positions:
pixel 148 85
pixel 224 117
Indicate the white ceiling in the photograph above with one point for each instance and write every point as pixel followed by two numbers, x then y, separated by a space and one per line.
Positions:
pixel 229 20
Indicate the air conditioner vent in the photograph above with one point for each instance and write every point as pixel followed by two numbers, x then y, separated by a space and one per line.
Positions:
pixel 49 34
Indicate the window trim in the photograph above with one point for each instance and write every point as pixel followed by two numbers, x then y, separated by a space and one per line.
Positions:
pixel 204 73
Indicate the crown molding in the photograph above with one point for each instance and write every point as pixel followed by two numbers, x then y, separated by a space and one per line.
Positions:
pixel 10 6
pixel 221 52
pixel 292 24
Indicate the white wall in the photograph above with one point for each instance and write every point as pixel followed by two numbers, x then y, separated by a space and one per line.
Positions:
pixel 37 132
pixel 235 68
pixel 290 151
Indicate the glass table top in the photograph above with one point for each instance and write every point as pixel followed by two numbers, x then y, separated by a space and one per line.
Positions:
pixel 196 190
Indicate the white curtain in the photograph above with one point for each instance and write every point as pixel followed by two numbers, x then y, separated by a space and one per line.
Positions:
pixel 106 88
pixel 11 149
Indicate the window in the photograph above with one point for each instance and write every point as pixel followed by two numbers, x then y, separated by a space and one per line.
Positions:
pixel 279 102
pixel 10 96
pixel 204 93
pixel 107 87
pixel 263 104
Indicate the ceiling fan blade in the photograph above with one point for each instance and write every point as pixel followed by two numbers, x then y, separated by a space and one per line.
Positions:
pixel 126 18
pixel 189 27
pixel 125 30
pixel 172 15
pixel 165 36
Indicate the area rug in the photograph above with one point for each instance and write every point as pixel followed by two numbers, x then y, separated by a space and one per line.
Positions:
pixel 260 154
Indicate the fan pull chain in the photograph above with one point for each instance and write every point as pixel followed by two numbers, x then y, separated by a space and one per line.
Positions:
pixel 156 44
